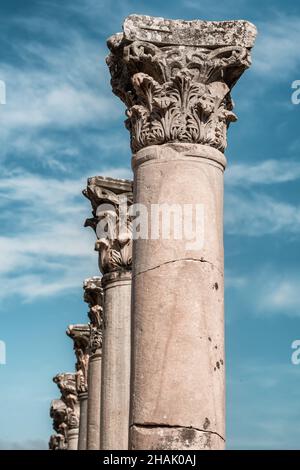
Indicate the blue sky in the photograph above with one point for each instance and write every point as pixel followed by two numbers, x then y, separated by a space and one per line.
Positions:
pixel 61 124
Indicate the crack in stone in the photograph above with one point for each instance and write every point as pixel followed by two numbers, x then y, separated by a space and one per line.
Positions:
pixel 174 426
pixel 201 260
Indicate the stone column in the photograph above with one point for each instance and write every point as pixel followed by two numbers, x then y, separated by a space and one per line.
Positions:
pixel 93 295
pixel 111 199
pixel 175 78
pixel 81 337
pixel 66 383
pixel 58 413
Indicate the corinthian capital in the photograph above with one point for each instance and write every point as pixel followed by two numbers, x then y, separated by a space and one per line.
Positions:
pixel 57 442
pixel 93 296
pixel 58 413
pixel 81 338
pixel 66 383
pixel 175 77
pixel 111 199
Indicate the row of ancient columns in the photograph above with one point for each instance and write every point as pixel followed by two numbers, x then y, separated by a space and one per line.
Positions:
pixel 150 365
pixel 100 386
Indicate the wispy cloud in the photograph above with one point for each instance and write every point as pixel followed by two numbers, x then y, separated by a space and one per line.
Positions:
pixel 281 296
pixel 258 215
pixel 216 11
pixel 276 53
pixel 249 210
pixel 48 250
pixel 60 90
pixel 262 173
pixel 275 290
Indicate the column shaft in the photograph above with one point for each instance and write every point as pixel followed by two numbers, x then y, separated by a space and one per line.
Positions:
pixel 177 306
pixel 116 361
pixel 94 396
pixel 83 403
pixel 73 439
pixel 93 295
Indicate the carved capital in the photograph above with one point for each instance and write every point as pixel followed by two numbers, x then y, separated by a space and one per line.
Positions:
pixel 111 199
pixel 93 296
pixel 81 338
pixel 58 413
pixel 66 383
pixel 175 77
pixel 73 417
pixel 57 442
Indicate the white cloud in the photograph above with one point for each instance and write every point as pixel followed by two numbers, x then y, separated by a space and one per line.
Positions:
pixel 55 89
pixel 276 53
pixel 253 213
pixel 275 290
pixel 48 250
pixel 92 11
pixel 281 295
pixel 259 215
pixel 40 101
pixel 265 172
pixel 236 281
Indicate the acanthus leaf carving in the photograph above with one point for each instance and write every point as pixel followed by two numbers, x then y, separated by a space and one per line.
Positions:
pixel 66 383
pixel 111 199
pixel 93 296
pixel 81 337
pixel 58 413
pixel 57 442
pixel 178 93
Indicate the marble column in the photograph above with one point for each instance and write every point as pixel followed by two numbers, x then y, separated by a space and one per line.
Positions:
pixel 93 296
pixel 175 77
pixel 81 338
pixel 111 199
pixel 66 383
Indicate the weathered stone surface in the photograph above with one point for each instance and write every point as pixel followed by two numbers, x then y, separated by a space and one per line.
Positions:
pixel 115 393
pixel 177 175
pixel 94 401
pixel 58 413
pixel 161 438
pixel 66 383
pixel 110 199
pixel 183 347
pixel 178 303
pixel 81 338
pixel 57 442
pixel 175 78
pixel 189 33
pixel 93 296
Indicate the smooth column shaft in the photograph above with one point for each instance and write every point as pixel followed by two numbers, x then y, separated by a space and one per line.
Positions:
pixel 116 361
pixel 83 403
pixel 178 389
pixel 73 434
pixel 94 398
